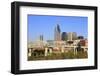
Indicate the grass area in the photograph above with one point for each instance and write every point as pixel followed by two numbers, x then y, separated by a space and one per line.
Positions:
pixel 56 56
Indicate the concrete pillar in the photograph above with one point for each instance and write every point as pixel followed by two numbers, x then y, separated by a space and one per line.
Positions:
pixel 50 50
pixel 75 51
pixel 29 53
pixel 62 50
pixel 85 49
pixel 46 51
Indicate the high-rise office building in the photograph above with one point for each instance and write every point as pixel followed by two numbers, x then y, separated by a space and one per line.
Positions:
pixel 64 36
pixel 41 38
pixel 72 36
pixel 57 33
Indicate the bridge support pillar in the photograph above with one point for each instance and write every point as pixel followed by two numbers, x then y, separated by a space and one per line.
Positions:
pixel 62 50
pixel 85 49
pixel 30 51
pixel 46 51
pixel 75 51
pixel 50 50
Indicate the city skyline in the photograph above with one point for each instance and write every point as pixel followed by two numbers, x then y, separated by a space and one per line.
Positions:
pixel 44 25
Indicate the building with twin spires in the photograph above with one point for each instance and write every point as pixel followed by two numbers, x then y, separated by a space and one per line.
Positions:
pixel 57 33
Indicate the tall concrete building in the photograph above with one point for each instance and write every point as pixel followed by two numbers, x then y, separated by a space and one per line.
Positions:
pixel 41 38
pixel 57 33
pixel 72 36
pixel 64 36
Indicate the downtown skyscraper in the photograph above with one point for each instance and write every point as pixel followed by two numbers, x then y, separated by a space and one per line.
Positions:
pixel 57 33
pixel 72 36
pixel 64 36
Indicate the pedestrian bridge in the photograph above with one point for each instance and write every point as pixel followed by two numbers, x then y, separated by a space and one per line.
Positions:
pixel 50 50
